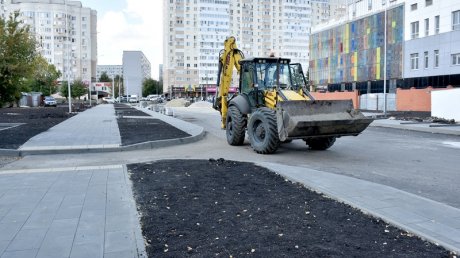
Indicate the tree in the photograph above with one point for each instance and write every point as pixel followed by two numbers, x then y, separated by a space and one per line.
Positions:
pixel 44 78
pixel 17 55
pixel 104 78
pixel 77 89
pixel 151 86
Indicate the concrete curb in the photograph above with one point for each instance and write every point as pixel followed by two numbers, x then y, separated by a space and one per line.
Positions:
pixel 438 130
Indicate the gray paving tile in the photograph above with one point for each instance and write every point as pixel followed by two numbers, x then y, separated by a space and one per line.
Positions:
pixel 118 241
pixel 27 239
pixel 90 235
pixel 55 246
pixel 99 177
pixel 118 223
pixel 92 250
pixel 17 215
pixel 39 220
pixel 74 199
pixel 63 227
pixel 9 230
pixel 20 254
pixel 3 245
pixel 121 254
pixel 69 212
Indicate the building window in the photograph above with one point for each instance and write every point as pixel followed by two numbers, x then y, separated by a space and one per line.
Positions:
pixel 428 2
pixel 456 59
pixel 427 27
pixel 436 24
pixel 413 7
pixel 436 58
pixel 425 59
pixel 414 61
pixel 414 30
pixel 456 20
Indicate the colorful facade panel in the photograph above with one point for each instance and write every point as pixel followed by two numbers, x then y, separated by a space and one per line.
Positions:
pixel 354 51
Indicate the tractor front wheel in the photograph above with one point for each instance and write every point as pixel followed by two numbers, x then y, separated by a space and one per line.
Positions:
pixel 262 131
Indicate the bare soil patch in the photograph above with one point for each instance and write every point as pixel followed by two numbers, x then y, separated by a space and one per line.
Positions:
pixel 137 130
pixel 35 121
pixel 201 208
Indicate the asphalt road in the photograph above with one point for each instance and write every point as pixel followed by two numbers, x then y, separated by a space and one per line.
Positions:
pixel 420 163
pixel 424 164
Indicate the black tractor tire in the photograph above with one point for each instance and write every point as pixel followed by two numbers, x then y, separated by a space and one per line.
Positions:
pixel 262 131
pixel 322 143
pixel 235 126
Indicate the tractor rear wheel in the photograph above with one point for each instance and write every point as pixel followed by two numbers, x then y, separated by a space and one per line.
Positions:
pixel 235 126
pixel 322 143
pixel 262 131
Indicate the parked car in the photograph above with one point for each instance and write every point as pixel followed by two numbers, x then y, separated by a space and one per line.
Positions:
pixel 108 100
pixel 49 101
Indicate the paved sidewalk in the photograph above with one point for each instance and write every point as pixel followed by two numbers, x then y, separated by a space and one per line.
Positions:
pixel 431 220
pixel 83 212
pixel 420 127
pixel 94 128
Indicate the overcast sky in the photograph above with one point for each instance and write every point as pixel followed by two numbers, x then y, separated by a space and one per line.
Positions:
pixel 128 25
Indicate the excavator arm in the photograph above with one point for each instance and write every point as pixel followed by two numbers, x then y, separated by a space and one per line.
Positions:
pixel 229 59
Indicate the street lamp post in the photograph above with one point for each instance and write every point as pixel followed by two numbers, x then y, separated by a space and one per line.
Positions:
pixel 67 54
pixel 385 62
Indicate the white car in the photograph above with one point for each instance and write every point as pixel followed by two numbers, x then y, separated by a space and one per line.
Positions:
pixel 50 102
pixel 108 100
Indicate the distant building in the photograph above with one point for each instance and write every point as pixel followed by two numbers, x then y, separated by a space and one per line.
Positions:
pixel 111 70
pixel 160 72
pixel 195 31
pixel 66 33
pixel 422 47
pixel 136 68
pixel 326 10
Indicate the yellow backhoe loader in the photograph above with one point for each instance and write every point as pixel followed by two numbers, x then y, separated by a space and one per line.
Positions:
pixel 273 105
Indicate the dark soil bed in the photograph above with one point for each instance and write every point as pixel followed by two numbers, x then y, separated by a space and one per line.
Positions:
pixel 137 130
pixel 126 110
pixel 223 208
pixel 36 120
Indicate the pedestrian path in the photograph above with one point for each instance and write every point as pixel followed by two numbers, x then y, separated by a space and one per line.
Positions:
pixel 420 127
pixel 94 128
pixel 76 212
pixel 431 220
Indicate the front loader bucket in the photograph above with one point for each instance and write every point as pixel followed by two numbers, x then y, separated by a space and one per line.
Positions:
pixel 319 118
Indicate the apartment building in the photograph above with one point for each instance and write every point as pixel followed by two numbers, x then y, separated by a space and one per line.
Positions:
pixel 193 35
pixel 196 29
pixel 66 33
pixel 323 11
pixel 136 68
pixel 111 70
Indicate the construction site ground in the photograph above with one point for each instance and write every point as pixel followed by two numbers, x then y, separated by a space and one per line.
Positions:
pixel 186 207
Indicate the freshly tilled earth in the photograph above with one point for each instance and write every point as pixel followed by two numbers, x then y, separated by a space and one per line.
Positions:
pixel 136 127
pixel 206 208
pixel 34 121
